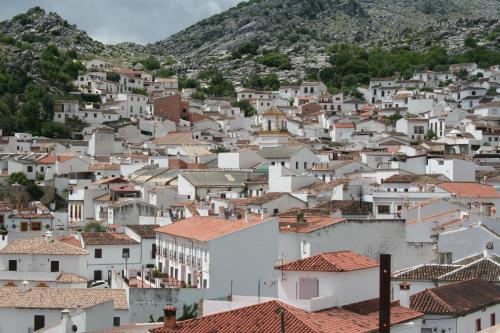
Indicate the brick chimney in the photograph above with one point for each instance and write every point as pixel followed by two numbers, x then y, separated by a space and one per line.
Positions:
pixel 169 317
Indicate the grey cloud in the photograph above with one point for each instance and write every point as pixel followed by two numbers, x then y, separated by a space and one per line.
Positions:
pixel 114 21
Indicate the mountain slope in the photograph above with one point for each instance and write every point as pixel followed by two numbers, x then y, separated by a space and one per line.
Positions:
pixel 297 25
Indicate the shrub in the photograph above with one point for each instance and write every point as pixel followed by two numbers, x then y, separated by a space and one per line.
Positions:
pixel 276 59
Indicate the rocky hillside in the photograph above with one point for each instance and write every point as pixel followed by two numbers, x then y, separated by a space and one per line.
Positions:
pixel 35 29
pixel 302 29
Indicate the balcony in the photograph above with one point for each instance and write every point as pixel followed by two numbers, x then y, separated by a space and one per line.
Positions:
pixel 313 304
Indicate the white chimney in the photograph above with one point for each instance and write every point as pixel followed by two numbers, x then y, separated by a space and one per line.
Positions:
pixel 404 294
pixel 488 251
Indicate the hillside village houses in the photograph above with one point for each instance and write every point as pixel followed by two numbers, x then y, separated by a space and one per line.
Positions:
pixel 165 200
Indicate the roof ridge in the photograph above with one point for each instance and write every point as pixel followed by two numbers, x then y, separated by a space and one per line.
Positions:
pixel 440 300
pixel 322 255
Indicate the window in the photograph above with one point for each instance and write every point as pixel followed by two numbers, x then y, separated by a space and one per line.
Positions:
pixel 283 163
pixel 296 165
pixel 305 165
pixel 116 321
pixel 478 324
pixel 24 226
pixel 98 253
pixel 12 265
pixel 54 266
pixel 39 322
pixel 30 168
pixel 493 320
pixel 125 253
pixel 308 288
pixel 97 275
pixel 36 226
pixel 383 209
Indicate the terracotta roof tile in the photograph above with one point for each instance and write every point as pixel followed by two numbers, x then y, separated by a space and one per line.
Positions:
pixel 341 261
pixel 474 190
pixel 71 278
pixel 45 246
pixel 61 298
pixel 51 159
pixel 424 272
pixel 205 228
pixel 107 238
pixel 308 224
pixel 266 317
pixel 458 298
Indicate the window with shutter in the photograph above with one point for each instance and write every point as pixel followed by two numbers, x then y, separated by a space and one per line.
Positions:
pixel 308 287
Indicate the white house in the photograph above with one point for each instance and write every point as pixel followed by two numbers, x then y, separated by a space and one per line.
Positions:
pixel 203 251
pixel 44 255
pixel 462 307
pixel 33 309
pixel 415 128
pixel 297 158
pixel 108 251
pixel 455 169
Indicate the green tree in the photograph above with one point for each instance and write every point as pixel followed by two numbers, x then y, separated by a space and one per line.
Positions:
pixel 56 130
pixel 470 41
pixel 113 76
pixel 189 311
pixel 199 95
pixel 34 191
pixel 246 106
pixel 219 149
pixel 276 59
pixel 149 63
pixel 94 226
pixel 165 73
pixel 17 178
pixel 219 86
pixel 139 91
pixel 430 135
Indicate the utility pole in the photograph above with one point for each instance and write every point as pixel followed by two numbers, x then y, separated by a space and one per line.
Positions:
pixel 384 309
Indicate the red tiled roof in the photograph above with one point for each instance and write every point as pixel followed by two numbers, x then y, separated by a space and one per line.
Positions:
pixel 309 223
pixel 205 228
pixel 341 261
pixel 458 298
pixel 343 125
pixel 107 238
pixel 266 318
pixel 51 159
pixel 474 190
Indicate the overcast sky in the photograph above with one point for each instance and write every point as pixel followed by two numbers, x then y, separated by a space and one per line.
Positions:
pixel 114 21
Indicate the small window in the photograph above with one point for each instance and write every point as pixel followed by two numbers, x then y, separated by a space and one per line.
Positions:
pixel 283 163
pixel 39 322
pixel 383 209
pixel 97 275
pixel 305 165
pixel 125 253
pixel 116 321
pixel 296 165
pixel 493 320
pixel 30 168
pixel 12 265
pixel 98 253
pixel 54 266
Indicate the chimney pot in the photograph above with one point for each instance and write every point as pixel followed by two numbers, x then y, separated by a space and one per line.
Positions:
pixel 169 317
pixel 404 294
